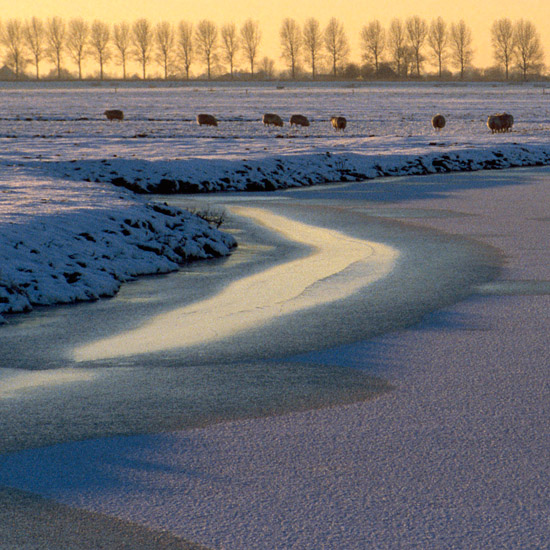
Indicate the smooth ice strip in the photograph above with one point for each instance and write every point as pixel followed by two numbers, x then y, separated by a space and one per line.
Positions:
pixel 14 382
pixel 338 266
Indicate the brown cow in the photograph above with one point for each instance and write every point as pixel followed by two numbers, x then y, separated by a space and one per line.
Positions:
pixel 299 120
pixel 338 122
pixel 272 119
pixel 206 120
pixel 114 114
pixel 438 122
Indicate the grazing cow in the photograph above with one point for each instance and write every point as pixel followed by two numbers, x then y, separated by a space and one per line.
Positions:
pixel 502 122
pixel 299 120
pixel 114 114
pixel 338 122
pixel 438 122
pixel 206 120
pixel 272 119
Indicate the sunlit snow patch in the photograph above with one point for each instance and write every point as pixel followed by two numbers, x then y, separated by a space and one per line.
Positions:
pixel 337 267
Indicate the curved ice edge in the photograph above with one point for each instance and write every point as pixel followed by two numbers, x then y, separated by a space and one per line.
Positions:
pixel 338 266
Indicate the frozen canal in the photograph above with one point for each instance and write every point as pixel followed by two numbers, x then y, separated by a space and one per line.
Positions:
pixel 451 452
pixel 374 275
pixel 367 369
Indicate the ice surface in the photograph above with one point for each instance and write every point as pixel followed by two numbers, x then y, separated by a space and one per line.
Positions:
pixel 338 266
pixel 456 456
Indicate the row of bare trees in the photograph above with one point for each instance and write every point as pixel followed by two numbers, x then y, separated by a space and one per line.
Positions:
pixel 517 43
pixel 404 46
pixel 409 43
pixel 35 40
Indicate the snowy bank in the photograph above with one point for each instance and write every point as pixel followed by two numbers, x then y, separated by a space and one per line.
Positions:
pixel 286 168
pixel 62 243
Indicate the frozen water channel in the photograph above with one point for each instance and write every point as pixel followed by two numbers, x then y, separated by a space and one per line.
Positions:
pixel 451 453
pixel 348 275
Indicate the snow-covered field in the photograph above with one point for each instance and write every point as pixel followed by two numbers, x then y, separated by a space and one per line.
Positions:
pixel 67 236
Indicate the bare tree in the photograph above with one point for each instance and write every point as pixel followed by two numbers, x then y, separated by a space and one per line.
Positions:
pixel 267 67
pixel 373 42
pixel 417 31
pixel 503 41
pixel 438 40
pixel 35 36
pixel 336 44
pixel 230 45
pixel 397 45
pixel 250 40
pixel 206 40
pixel 165 40
pixel 409 60
pixel 100 39
pixel 313 42
pixel 528 53
pixel 185 45
pixel 461 46
pixel 56 31
pixel 78 32
pixel 12 37
pixel 122 39
pixel 142 38
pixel 291 43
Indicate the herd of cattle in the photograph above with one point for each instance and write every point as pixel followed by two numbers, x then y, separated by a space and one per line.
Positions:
pixel 501 122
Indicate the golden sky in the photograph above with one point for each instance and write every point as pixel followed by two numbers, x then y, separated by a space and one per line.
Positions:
pixel 479 14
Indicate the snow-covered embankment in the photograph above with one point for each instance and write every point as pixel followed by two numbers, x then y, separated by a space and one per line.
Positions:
pixel 305 162
pixel 62 242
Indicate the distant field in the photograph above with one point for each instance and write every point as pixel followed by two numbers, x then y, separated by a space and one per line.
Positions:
pixel 169 110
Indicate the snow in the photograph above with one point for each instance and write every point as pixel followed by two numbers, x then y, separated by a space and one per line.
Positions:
pixel 160 148
pixel 63 241
pixel 455 456
pixel 67 236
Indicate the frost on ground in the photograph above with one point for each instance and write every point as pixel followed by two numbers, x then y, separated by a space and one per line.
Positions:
pixel 62 242
pixel 68 233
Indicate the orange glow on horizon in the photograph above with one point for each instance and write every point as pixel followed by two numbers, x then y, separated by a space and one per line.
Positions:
pixel 478 15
